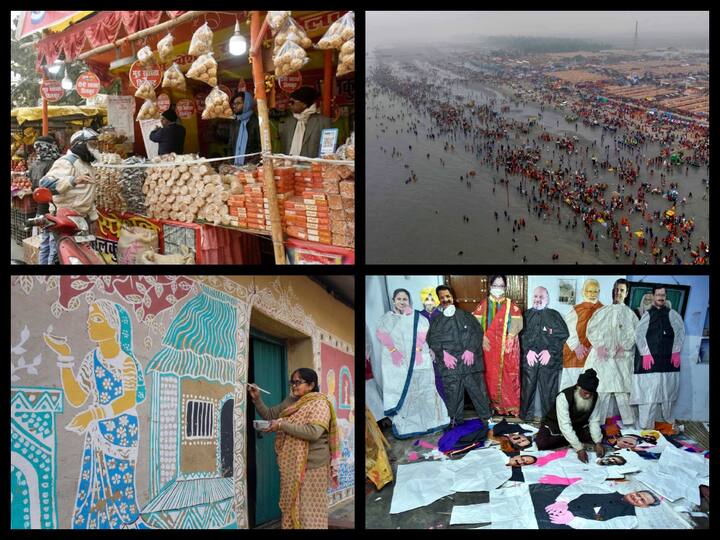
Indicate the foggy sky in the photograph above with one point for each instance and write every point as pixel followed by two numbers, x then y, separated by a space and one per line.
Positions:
pixel 397 26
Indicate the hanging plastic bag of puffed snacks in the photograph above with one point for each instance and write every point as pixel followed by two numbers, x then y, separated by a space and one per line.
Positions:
pixel 217 105
pixel 292 31
pixel 145 55
pixel 174 79
pixel 339 32
pixel 165 48
pixel 204 69
pixel 346 58
pixel 276 19
pixel 290 58
pixel 146 91
pixel 201 42
pixel 148 111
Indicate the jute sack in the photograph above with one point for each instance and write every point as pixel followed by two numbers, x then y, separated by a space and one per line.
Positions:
pixel 133 242
pixel 150 257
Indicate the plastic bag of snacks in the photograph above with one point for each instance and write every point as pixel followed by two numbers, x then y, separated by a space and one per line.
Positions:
pixel 201 42
pixel 204 69
pixel 276 19
pixel 290 58
pixel 145 55
pixel 148 111
pixel 174 79
pixel 217 105
pixel 347 58
pixel 165 48
pixel 146 91
pixel 292 31
pixel 339 32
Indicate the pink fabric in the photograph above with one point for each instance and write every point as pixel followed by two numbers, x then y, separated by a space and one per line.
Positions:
pixel 427 445
pixel 558 480
pixel 675 359
pixel 385 339
pixel 449 360
pixel 468 358
pixel 421 336
pixel 648 361
pixel 557 506
pixel 397 358
pixel 100 29
pixel 531 357
pixel 544 460
pixel 561 518
pixel 413 456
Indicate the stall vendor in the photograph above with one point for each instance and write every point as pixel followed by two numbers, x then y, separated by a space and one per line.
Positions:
pixel 171 136
pixel 300 131
pixel 245 129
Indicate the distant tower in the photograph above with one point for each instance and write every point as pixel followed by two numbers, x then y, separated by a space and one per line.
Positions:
pixel 635 41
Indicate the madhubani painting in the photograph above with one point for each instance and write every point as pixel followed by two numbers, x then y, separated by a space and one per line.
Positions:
pixel 124 389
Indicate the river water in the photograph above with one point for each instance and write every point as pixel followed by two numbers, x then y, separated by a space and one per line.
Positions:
pixel 422 222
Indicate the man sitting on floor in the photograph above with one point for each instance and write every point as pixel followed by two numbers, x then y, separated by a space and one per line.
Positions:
pixel 571 420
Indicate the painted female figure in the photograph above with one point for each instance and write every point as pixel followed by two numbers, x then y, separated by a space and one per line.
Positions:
pixel 409 394
pixel 112 378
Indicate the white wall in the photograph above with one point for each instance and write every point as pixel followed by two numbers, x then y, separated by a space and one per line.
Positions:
pixel 693 401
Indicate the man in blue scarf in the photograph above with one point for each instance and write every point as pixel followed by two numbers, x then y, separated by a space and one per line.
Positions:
pixel 245 132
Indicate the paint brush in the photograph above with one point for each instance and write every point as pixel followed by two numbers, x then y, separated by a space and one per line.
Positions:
pixel 256 386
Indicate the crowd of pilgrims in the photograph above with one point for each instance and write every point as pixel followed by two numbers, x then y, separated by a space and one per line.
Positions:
pixel 514 149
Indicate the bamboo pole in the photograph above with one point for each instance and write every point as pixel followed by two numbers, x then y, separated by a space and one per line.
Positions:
pixel 142 33
pixel 264 121
pixel 327 82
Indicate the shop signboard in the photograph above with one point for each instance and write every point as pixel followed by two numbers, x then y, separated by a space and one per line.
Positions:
pixel 163 102
pixel 52 90
pixel 87 85
pixel 139 73
pixel 290 83
pixel 185 108
pixel 120 115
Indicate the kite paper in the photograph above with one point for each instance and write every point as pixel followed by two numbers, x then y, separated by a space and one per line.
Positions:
pixel 473 513
pixel 480 470
pixel 678 474
pixel 419 484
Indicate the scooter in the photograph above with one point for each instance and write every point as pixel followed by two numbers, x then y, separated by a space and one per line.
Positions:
pixel 70 230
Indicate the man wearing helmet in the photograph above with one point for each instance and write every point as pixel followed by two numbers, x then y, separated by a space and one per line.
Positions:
pixel 71 179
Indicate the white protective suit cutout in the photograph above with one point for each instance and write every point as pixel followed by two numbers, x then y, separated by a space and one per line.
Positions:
pixel 611 331
pixel 420 409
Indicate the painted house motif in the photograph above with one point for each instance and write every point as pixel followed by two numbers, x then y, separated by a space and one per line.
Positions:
pixel 191 468
pixel 33 459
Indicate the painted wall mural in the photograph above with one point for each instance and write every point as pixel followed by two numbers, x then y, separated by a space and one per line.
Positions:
pixel 129 412
pixel 336 359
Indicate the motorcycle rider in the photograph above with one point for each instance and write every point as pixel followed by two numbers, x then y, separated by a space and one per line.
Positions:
pixel 71 180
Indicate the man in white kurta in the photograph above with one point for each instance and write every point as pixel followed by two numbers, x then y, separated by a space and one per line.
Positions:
pixel 656 380
pixel 611 332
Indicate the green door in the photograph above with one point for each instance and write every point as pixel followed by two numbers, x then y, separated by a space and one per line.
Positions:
pixel 268 370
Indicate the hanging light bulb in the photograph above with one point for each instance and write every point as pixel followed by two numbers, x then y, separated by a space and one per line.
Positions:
pixel 238 44
pixel 67 83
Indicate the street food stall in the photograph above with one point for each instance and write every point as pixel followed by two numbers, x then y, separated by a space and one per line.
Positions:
pixel 286 208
